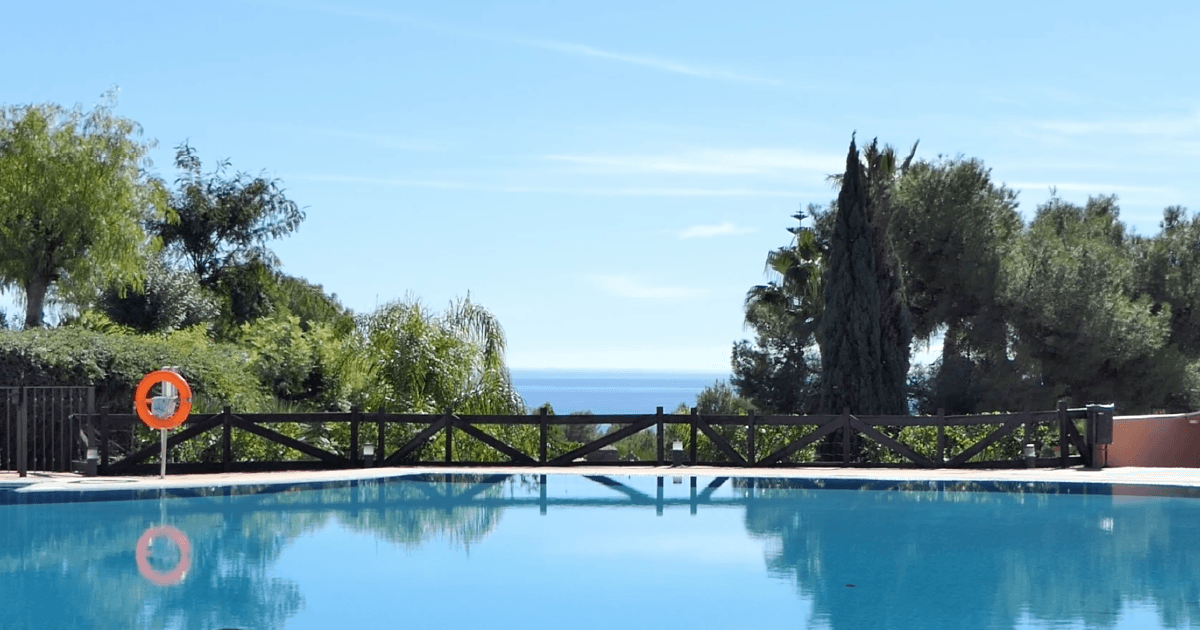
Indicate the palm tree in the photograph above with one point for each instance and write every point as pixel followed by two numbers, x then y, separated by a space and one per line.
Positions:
pixel 791 299
pixel 775 372
pixel 419 361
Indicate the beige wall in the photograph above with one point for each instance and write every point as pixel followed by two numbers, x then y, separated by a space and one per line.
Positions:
pixel 1162 441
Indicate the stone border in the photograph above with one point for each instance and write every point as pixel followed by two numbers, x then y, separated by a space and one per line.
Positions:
pixel 55 482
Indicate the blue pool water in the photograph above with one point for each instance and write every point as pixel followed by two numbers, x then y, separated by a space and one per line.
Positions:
pixel 565 551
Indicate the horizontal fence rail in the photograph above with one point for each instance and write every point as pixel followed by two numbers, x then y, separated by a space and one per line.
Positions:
pixel 323 441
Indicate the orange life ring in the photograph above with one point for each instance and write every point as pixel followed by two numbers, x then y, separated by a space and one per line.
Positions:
pixel 141 401
pixel 176 574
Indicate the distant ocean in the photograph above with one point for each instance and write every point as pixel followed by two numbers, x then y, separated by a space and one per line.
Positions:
pixel 602 392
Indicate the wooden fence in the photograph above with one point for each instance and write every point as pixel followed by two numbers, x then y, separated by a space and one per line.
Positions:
pixel 853 440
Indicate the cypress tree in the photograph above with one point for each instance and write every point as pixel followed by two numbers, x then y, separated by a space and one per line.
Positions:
pixel 850 333
pixel 895 324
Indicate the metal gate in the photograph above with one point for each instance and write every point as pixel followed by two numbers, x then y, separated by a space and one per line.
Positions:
pixel 41 428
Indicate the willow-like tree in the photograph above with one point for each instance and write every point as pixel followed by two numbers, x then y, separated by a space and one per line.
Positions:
pixel 74 193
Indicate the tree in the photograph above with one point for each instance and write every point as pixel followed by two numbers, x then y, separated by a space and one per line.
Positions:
pixel 311 304
pixel 849 332
pixel 422 362
pixel 895 327
pixel 245 290
pixel 223 219
pixel 74 193
pixel 1080 330
pixel 720 399
pixel 1168 271
pixel 167 300
pixel 953 227
pixel 778 372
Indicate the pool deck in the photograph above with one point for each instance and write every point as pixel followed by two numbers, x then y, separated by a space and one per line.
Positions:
pixel 1187 477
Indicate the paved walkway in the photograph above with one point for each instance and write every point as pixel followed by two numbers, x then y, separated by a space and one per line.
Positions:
pixel 1133 476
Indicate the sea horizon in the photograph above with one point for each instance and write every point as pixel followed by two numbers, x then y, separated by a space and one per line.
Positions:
pixel 611 391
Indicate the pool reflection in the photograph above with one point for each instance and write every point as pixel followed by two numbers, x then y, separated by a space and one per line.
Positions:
pixel 983 559
pixel 918 555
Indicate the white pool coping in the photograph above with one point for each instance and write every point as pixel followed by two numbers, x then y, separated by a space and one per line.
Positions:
pixel 56 482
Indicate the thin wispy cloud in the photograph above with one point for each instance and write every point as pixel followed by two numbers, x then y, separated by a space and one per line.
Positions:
pixel 716 162
pixel 630 287
pixel 568 48
pixel 1096 189
pixel 387 141
pixel 1032 165
pixel 1192 148
pixel 1150 126
pixel 666 65
pixel 616 191
pixel 707 231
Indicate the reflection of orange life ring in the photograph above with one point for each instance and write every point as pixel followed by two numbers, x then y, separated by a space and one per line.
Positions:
pixel 143 555
pixel 142 401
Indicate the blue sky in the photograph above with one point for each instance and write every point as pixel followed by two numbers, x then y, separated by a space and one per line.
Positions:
pixel 607 177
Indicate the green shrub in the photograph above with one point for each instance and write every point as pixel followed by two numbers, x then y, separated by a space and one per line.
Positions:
pixel 295 363
pixel 115 362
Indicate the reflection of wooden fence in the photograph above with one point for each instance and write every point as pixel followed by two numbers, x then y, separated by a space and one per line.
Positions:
pixel 842 435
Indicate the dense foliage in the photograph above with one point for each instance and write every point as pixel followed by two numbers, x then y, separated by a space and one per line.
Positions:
pixel 151 278
pixel 1070 306
pixel 113 362
pixel 1067 306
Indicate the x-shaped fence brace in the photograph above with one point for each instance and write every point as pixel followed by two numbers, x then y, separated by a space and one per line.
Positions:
pixel 823 426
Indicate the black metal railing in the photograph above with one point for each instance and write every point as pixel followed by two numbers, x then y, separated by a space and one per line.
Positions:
pixel 40 427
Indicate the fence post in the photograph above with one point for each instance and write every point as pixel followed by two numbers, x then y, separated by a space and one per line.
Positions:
pixel 355 418
pixel 226 438
pixel 750 431
pixel 104 439
pixel 69 433
pixel 23 435
pixel 1095 435
pixel 1064 447
pixel 659 412
pixel 692 448
pixel 1030 431
pixel 449 437
pixel 380 443
pixel 543 417
pixel 91 427
pixel 846 436
pixel 941 438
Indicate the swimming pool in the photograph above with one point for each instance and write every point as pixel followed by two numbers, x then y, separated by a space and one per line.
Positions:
pixel 568 551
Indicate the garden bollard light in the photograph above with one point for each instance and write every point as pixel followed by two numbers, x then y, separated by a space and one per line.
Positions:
pixel 1030 455
pixel 93 459
pixel 368 455
pixel 677 453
